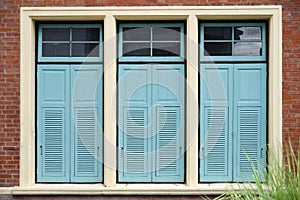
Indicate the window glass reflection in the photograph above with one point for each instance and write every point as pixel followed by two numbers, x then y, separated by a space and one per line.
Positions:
pixel 166 49
pixel 83 50
pixel 136 34
pixel 217 49
pixel 166 34
pixel 247 33
pixel 136 49
pixel 247 48
pixel 56 50
pixel 55 34
pixel 85 34
pixel 217 33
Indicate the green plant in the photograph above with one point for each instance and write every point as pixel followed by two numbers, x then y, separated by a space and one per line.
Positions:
pixel 282 181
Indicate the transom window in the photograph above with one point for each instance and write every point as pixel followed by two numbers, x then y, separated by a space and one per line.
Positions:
pixel 73 42
pixel 145 42
pixel 238 41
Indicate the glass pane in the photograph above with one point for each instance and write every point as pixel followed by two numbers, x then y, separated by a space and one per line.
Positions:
pixel 217 33
pixel 85 34
pixel 247 48
pixel 247 33
pixel 136 34
pixel 217 48
pixel 166 49
pixel 56 34
pixel 84 50
pixel 56 50
pixel 166 34
pixel 136 49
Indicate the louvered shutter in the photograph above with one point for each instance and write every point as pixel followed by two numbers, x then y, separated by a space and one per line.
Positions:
pixel 249 120
pixel 52 119
pixel 168 123
pixel 215 128
pixel 86 123
pixel 134 129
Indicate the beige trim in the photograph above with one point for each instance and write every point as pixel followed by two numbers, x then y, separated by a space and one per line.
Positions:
pixel 110 15
pixel 110 88
pixel 124 189
pixel 27 101
pixel 192 102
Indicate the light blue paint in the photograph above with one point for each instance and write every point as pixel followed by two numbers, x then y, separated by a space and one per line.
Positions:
pixel 151 128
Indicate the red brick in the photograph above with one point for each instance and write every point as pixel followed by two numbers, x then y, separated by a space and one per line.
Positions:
pixel 9 60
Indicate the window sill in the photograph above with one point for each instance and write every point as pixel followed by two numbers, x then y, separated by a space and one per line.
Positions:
pixel 123 189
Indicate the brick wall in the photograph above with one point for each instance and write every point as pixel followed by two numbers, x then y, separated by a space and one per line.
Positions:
pixel 10 72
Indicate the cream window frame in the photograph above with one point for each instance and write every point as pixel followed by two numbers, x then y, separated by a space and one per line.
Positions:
pixel 110 15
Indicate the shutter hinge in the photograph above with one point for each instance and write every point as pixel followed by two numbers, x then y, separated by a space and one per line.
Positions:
pixel 122 151
pixel 203 152
pixel 98 151
pixel 41 150
pixel 180 150
pixel 261 152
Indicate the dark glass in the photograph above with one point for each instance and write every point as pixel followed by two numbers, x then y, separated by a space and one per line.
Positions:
pixel 56 50
pixel 217 49
pixel 247 48
pixel 166 33
pixel 56 34
pixel 85 49
pixel 85 34
pixel 247 33
pixel 136 33
pixel 217 33
pixel 136 49
pixel 166 49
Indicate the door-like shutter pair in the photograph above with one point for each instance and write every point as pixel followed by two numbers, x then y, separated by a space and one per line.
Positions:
pixel 233 122
pixel 151 123
pixel 69 123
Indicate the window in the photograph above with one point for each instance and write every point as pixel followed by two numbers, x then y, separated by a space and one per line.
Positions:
pixel 233 102
pixel 151 103
pixel 233 42
pixel 114 18
pixel 69 103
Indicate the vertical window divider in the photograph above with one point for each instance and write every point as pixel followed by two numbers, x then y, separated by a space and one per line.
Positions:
pixel 151 41
pixel 71 37
pixel 232 41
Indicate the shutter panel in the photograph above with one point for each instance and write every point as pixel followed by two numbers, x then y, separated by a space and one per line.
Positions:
pixel 134 141
pixel 53 123
pixel 86 87
pixel 168 123
pixel 250 120
pixel 215 119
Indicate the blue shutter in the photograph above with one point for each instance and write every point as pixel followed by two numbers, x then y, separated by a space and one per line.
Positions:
pixel 134 129
pixel 249 120
pixel 215 125
pixel 86 123
pixel 53 124
pixel 168 122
